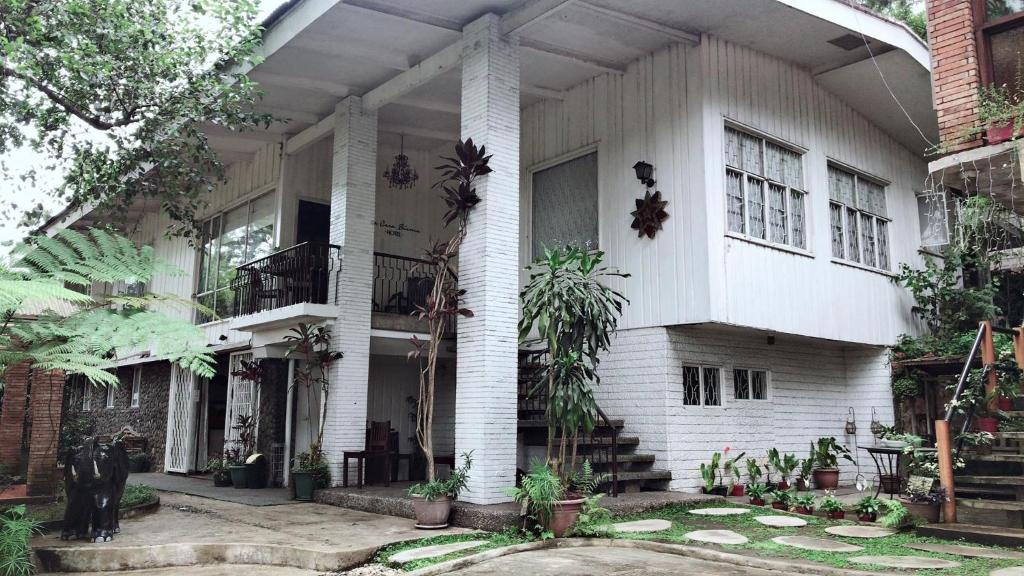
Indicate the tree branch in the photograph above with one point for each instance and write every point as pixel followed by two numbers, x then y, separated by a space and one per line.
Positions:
pixel 70 107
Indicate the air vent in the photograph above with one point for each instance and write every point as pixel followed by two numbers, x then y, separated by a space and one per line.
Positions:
pixel 847 42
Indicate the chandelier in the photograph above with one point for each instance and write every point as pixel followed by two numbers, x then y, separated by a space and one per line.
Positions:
pixel 401 174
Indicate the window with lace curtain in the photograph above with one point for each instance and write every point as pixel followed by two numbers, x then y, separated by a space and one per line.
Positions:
pixel 859 220
pixel 764 187
pixel 565 205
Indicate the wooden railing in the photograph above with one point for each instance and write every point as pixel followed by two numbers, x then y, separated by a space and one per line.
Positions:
pixel 600 445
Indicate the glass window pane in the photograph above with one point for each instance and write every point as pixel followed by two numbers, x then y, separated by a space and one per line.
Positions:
pixel 777 213
pixel 752 154
pixel 799 226
pixel 741 384
pixel 883 244
pixel 836 216
pixel 867 231
pixel 712 387
pixel 933 217
pixel 755 204
pixel 852 235
pixel 1008 59
pixel 996 9
pixel 204 257
pixel 734 200
pixel 783 165
pixel 759 385
pixel 209 301
pixel 261 227
pixel 232 245
pixel 733 149
pixel 691 386
pixel 225 307
pixel 840 186
pixel 565 210
pixel 871 197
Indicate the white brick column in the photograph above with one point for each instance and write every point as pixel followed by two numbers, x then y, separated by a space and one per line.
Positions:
pixel 353 181
pixel 485 396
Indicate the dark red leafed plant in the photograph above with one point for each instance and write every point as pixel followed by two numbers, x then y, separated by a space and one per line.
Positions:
pixel 459 175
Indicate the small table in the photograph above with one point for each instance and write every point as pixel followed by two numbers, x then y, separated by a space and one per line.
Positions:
pixel 887 461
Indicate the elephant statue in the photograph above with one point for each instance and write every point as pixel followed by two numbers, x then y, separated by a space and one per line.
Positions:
pixel 94 479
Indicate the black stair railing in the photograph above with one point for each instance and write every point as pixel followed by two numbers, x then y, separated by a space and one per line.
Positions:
pixel 600 445
pixel 297 275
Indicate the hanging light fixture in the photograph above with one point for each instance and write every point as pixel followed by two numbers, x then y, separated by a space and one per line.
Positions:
pixel 401 174
pixel 876 426
pixel 851 422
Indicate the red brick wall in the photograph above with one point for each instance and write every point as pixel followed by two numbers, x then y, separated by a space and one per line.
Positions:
pixel 47 401
pixel 955 72
pixel 12 417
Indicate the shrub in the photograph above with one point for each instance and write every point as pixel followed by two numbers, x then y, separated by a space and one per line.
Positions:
pixel 16 530
pixel 136 495
pixel 451 487
pixel 314 463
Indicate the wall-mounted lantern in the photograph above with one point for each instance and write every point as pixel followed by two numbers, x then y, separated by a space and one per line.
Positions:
pixel 851 422
pixel 644 173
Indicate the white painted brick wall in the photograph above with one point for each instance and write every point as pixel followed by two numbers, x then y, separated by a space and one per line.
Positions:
pixel 812 385
pixel 353 183
pixel 488 266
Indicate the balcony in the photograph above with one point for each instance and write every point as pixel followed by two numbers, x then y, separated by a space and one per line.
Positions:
pixel 401 285
pixel 287 287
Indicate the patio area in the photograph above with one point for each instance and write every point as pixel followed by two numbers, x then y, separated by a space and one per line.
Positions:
pixel 203 487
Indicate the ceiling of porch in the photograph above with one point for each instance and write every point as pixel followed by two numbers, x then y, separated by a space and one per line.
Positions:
pixel 319 51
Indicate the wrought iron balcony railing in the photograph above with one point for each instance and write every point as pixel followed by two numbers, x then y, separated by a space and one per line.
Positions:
pixel 297 275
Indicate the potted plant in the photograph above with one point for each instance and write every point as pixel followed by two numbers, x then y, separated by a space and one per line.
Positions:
pixel 552 504
pixel 924 504
pixel 781 499
pixel 981 442
pixel 1001 113
pixel 236 467
pixel 832 507
pixel 867 509
pixel 218 468
pixel 756 493
pixel 786 467
pixel 432 501
pixel 138 462
pixel 311 473
pixel 804 504
pixel 753 473
pixel 709 473
pixel 731 469
pixel 772 462
pixel 803 479
pixel 826 465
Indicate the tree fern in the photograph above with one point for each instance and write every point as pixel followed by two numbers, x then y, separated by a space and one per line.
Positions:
pixel 56 328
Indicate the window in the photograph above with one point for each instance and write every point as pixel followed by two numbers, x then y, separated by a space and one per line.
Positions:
pixel 111 395
pixel 136 386
pixel 702 386
pixel 564 205
pixel 750 384
pixel 86 395
pixel 933 216
pixel 858 218
pixel 231 239
pixel 764 188
pixel 1001 44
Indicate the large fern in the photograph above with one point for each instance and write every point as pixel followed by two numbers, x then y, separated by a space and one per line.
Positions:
pixel 53 327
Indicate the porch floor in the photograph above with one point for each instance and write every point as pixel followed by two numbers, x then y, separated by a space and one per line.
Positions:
pixel 394 501
pixel 203 487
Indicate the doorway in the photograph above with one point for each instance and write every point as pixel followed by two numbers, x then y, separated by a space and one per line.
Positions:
pixel 313 222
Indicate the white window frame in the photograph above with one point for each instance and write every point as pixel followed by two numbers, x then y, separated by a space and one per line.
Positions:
pixel 111 396
pixel 750 384
pixel 136 387
pixel 703 401
pixel 526 200
pixel 766 182
pixel 86 396
pixel 859 175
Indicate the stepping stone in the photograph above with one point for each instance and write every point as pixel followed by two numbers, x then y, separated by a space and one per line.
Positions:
pixel 859 531
pixel 1011 571
pixel 720 511
pixel 969 551
pixel 816 544
pixel 907 562
pixel 642 526
pixel 717 537
pixel 434 551
pixel 781 521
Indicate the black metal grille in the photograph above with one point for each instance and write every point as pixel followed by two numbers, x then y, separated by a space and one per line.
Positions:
pixel 402 284
pixel 297 275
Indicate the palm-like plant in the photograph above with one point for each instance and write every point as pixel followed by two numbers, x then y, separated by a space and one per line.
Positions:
pixel 50 319
pixel 575 314
pixel 312 344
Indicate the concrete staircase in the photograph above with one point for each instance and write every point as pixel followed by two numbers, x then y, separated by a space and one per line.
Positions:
pixel 990 490
pixel 607 448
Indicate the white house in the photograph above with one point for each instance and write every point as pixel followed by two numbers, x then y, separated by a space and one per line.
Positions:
pixel 786 135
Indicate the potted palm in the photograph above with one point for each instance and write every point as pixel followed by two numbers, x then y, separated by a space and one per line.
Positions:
pixel 709 473
pixel 832 507
pixel 731 469
pixel 772 462
pixel 803 479
pixel 552 504
pixel 756 492
pixel 432 501
pixel 826 462
pixel 311 473
pixel 867 509
pixel 786 467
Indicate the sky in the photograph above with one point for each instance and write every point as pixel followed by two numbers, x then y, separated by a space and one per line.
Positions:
pixel 24 159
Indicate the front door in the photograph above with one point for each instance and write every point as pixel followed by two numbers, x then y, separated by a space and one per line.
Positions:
pixel 181 421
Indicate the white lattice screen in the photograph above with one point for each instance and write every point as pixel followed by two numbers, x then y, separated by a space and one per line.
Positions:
pixel 243 396
pixel 179 414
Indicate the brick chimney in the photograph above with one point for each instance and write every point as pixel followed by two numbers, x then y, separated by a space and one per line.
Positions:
pixel 956 75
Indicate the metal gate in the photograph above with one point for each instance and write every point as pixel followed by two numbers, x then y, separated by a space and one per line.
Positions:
pixel 243 397
pixel 181 421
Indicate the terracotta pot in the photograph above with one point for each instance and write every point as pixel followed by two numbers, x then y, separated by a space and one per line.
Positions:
pixel 826 478
pixel 988 424
pixel 779 506
pixel 836 515
pixel 923 510
pixel 802 485
pixel 783 485
pixel 717 491
pixel 757 501
pixel 738 490
pixel 804 510
pixel 1005 404
pixel 867 517
pixel 432 514
pixel 999 133
pixel 564 516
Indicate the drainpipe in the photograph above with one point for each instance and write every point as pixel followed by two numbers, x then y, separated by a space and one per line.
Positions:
pixel 288 422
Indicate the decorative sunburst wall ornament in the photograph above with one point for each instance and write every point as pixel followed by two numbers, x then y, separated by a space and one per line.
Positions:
pixel 401 174
pixel 649 214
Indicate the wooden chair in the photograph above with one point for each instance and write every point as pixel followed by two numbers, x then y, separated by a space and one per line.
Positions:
pixel 377 449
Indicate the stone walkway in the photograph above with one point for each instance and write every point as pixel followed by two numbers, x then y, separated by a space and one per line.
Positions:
pixel 201 486
pixel 434 551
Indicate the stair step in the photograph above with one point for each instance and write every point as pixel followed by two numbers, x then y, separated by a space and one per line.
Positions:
pixel 985 491
pixel 645 475
pixel 603 441
pixel 985 504
pixel 997 458
pixel 627 459
pixel 1009 435
pixel 987 535
pixel 997 480
pixel 534 423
